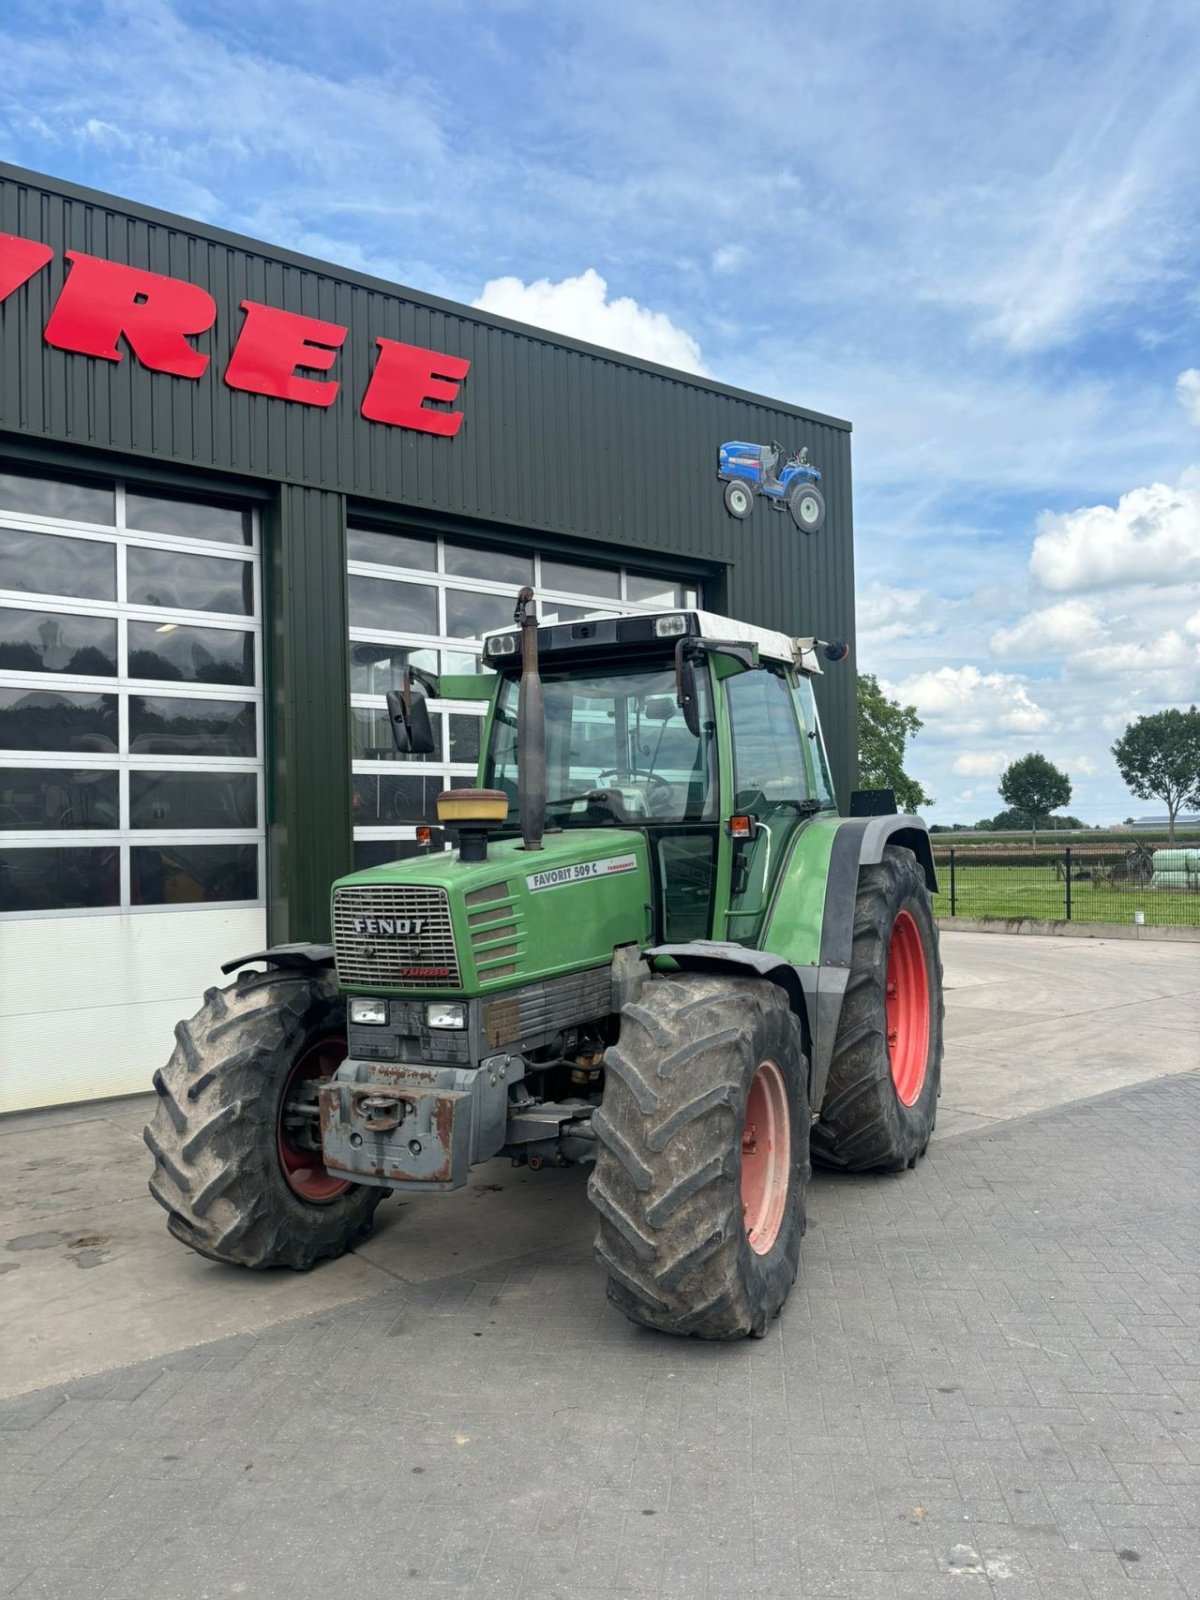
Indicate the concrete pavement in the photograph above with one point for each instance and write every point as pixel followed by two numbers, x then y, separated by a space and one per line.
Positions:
pixel 90 1279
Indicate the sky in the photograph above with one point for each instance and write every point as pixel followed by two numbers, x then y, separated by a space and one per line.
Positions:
pixel 973 230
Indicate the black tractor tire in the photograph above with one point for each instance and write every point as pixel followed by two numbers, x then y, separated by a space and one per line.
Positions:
pixel 218 1170
pixel 865 1124
pixel 815 521
pixel 673 1140
pixel 739 498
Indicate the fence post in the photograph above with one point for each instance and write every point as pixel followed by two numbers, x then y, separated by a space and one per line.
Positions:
pixel 1067 855
pixel 953 895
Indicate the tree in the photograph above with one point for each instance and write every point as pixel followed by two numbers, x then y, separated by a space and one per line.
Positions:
pixel 1159 758
pixel 1013 821
pixel 1035 786
pixel 884 727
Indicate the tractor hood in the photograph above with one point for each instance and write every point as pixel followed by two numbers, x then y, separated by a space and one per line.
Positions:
pixel 441 926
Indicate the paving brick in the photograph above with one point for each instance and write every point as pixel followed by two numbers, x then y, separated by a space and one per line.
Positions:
pixel 997 1354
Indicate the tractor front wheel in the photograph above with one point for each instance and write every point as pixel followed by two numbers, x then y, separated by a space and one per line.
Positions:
pixel 881 1096
pixel 235 1136
pixel 702 1160
pixel 739 499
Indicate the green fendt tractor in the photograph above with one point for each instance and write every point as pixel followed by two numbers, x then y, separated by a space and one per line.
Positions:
pixel 682 966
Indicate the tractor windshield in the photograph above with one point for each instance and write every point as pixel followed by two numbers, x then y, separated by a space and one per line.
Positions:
pixel 617 748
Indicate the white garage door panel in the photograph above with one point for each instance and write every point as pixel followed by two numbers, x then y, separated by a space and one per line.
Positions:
pixel 88 1004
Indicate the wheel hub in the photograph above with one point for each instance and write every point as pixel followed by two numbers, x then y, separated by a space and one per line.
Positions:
pixel 907 1006
pixel 298 1136
pixel 766 1158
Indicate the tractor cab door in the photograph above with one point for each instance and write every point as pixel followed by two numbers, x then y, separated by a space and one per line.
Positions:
pixel 768 776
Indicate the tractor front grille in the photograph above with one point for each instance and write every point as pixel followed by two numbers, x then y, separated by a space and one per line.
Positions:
pixel 393 936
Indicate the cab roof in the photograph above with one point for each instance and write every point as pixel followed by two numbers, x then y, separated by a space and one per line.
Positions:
pixel 502 646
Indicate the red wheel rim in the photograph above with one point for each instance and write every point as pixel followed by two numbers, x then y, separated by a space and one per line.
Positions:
pixel 304 1170
pixel 766 1158
pixel 907 1008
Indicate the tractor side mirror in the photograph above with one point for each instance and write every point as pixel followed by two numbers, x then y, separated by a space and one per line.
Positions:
pixel 412 731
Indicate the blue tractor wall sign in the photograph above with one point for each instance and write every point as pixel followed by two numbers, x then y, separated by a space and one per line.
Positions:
pixel 786 481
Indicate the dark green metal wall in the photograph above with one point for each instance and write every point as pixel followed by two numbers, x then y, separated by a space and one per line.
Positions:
pixel 561 444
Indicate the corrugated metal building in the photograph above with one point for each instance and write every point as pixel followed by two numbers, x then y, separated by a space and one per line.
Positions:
pixel 239 489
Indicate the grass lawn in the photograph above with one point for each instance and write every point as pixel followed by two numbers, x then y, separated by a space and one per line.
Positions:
pixel 1034 891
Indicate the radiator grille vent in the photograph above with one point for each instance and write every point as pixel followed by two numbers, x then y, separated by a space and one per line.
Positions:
pixel 394 936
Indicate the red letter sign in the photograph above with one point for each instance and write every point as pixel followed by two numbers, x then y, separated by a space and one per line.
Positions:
pixel 272 344
pixel 404 376
pixel 102 300
pixel 19 260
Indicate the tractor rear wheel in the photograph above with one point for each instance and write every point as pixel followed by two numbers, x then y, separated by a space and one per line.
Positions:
pixel 881 1096
pixel 807 505
pixel 702 1159
pixel 235 1140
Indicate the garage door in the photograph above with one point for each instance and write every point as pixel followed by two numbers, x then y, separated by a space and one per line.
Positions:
pixel 131 775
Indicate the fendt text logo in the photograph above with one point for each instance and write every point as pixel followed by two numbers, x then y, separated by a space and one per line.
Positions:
pixel 103 302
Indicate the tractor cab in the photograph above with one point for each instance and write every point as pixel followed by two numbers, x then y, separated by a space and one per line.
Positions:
pixel 698 732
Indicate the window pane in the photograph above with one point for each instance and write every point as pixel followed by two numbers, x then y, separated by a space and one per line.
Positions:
pixel 371 736
pixel 463 662
pixel 53 719
pixel 580 580
pixel 45 641
pixel 394 799
pixel 51 798
pixel 391 549
pixel 464 738
pixel 42 563
pixel 647 591
pixel 59 878
pixel 469 616
pixel 559 611
pixel 806 705
pixel 376 668
pixel 177 653
pixel 167 726
pixel 50 497
pixel 190 519
pixel 189 583
pixel 768 763
pixel 186 874
pixel 392 607
pixel 193 800
pixel 378 852
pixel 500 566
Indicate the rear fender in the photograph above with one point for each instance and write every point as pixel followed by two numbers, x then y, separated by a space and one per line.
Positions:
pixel 858 842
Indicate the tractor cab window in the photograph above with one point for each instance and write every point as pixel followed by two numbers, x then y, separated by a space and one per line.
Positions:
pixel 770 781
pixel 618 752
pixel 810 723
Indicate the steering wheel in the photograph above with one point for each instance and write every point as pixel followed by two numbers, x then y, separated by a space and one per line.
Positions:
pixel 617 772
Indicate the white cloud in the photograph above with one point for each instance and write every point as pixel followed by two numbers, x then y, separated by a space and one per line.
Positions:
pixel 887 612
pixel 1187 388
pixel 963 702
pixel 580 308
pixel 1152 536
pixel 1054 630
pixel 1192 625
pixel 1084 765
pixel 979 764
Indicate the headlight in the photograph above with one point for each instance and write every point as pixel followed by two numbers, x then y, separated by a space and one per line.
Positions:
pixel 444 1014
pixel 502 644
pixel 670 627
pixel 374 1012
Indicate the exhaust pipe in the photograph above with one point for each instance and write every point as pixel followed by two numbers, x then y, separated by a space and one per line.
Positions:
pixel 531 729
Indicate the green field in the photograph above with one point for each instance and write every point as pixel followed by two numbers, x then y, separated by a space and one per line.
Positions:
pixel 1023 890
